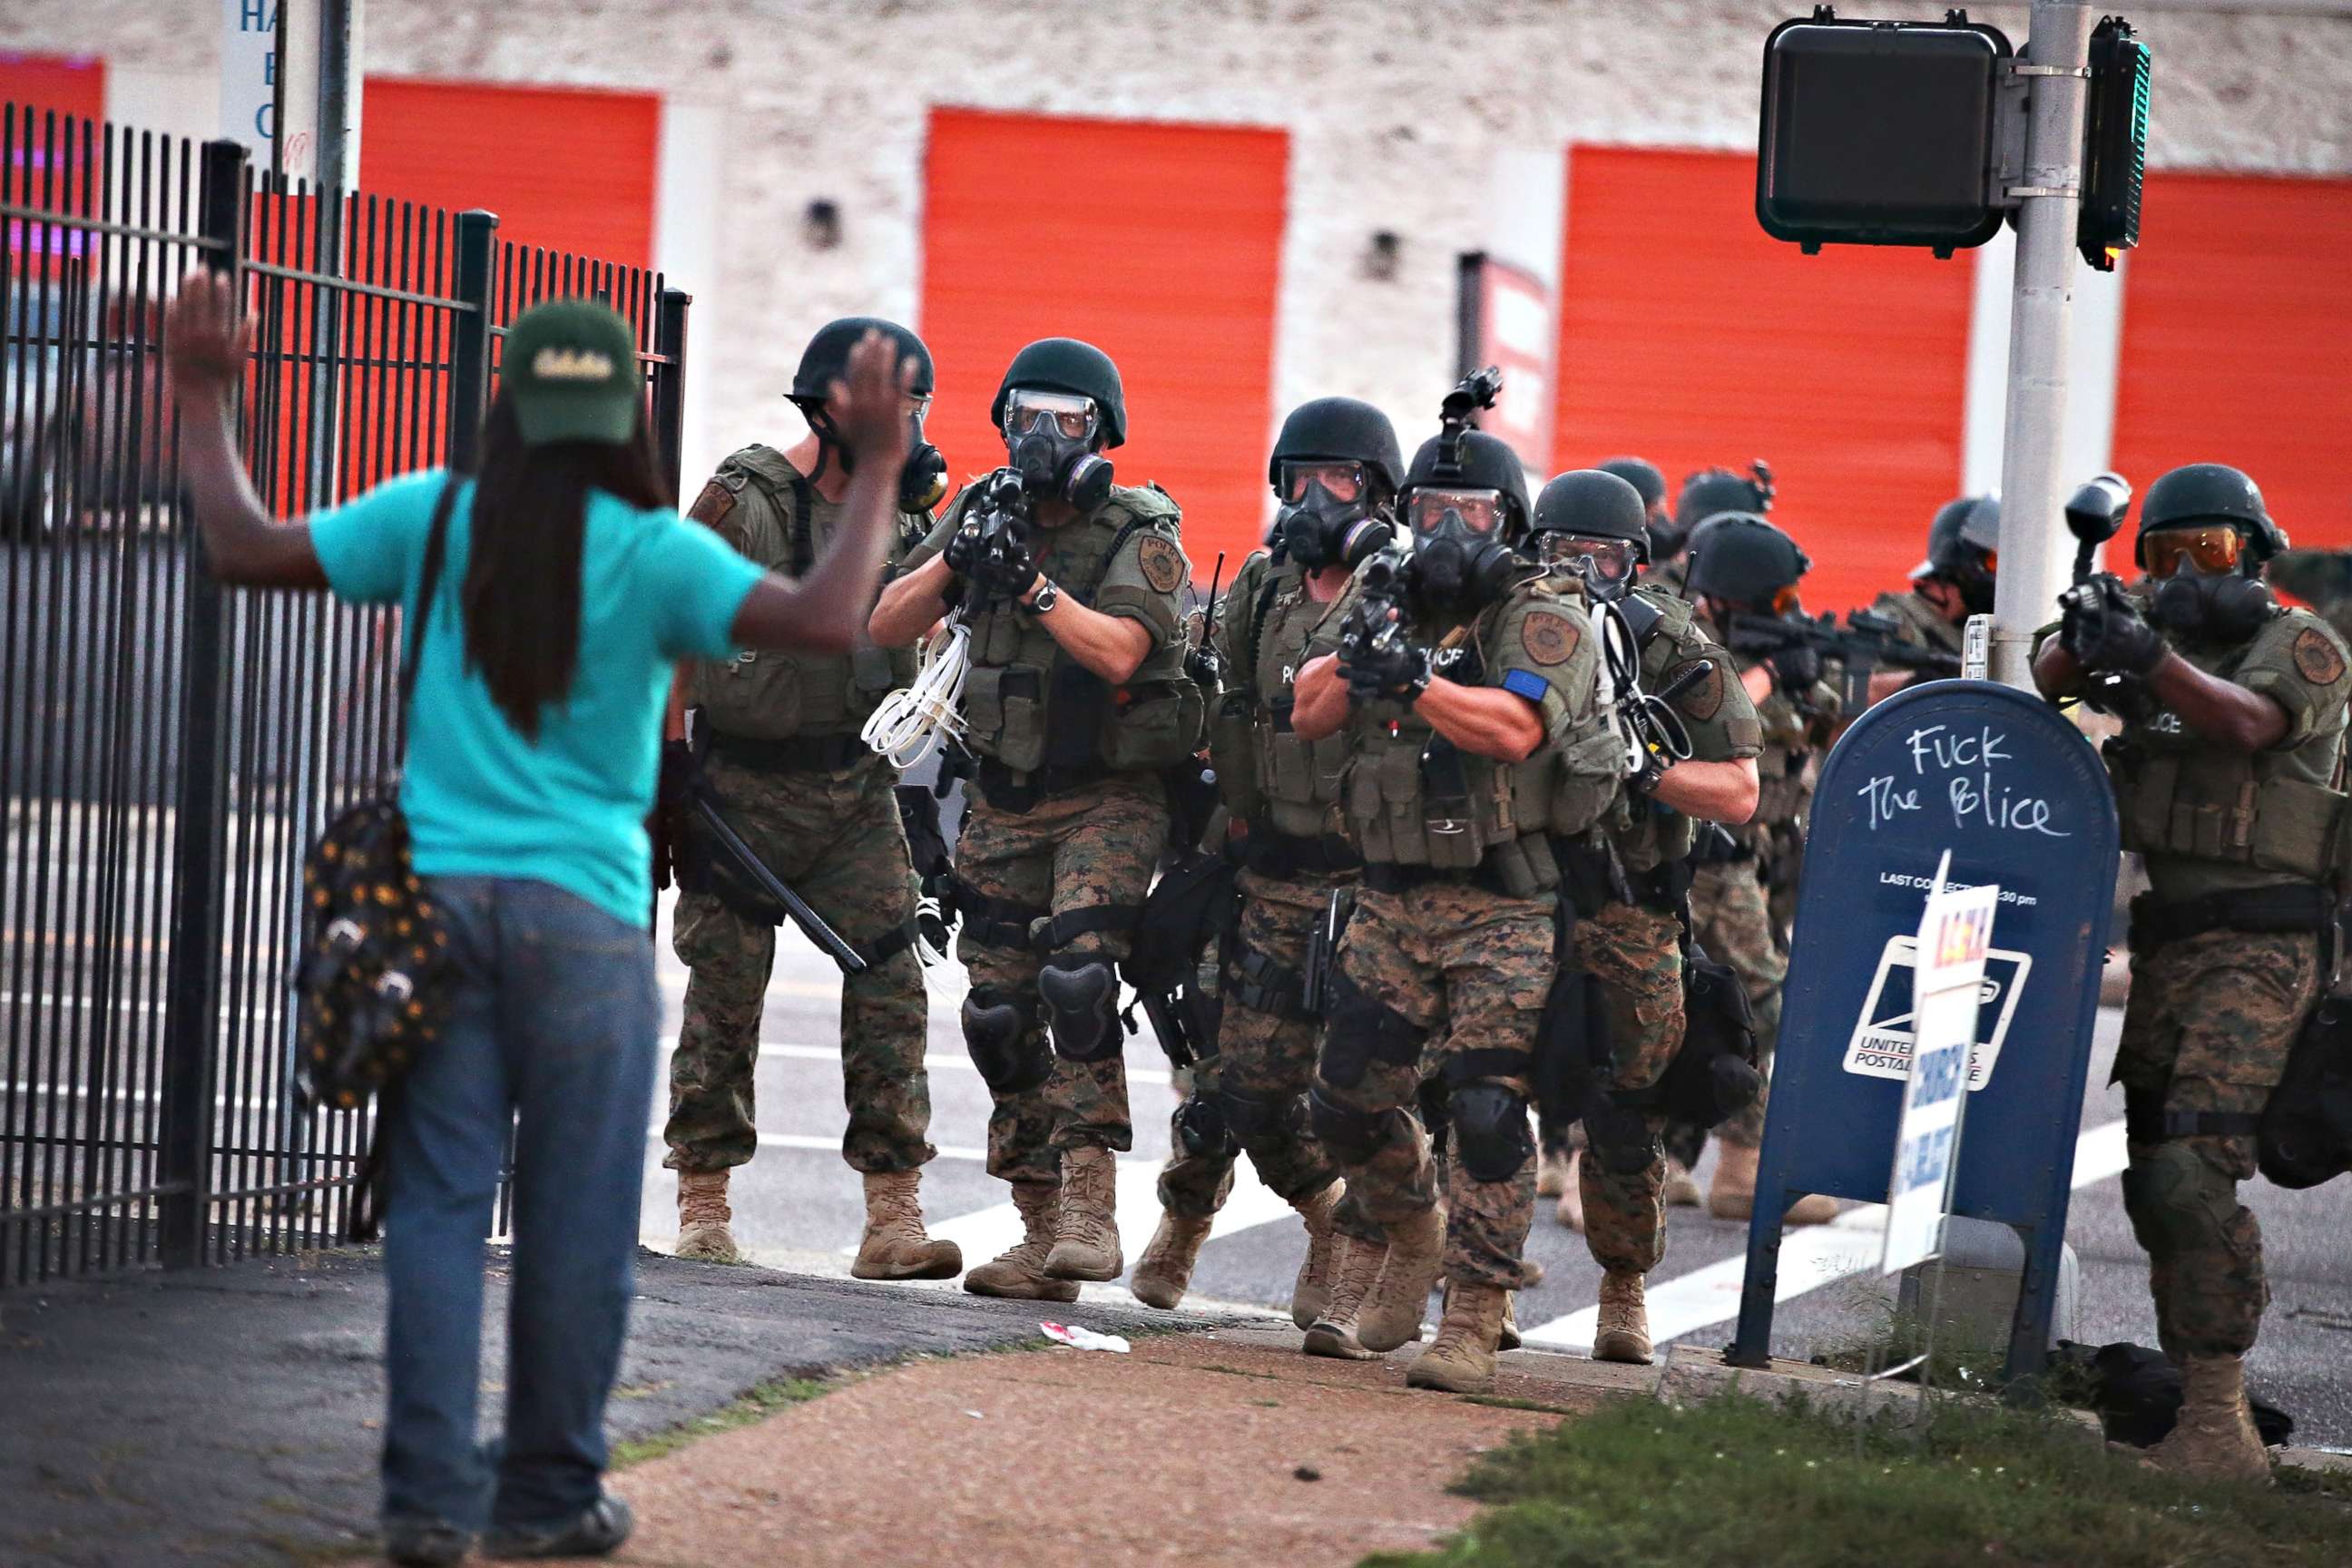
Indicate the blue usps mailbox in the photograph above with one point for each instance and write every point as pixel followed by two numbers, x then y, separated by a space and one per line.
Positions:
pixel 2021 799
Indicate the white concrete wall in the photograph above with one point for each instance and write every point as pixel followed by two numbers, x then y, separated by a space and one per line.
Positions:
pixel 1396 111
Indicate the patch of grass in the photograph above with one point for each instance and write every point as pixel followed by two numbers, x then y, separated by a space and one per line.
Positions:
pixel 755 1405
pixel 1739 1480
pixel 1962 1361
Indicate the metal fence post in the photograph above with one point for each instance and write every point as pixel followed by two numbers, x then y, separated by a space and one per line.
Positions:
pixel 470 354
pixel 192 996
pixel 669 385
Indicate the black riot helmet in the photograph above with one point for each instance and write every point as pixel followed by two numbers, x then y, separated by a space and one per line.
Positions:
pixel 1741 559
pixel 923 477
pixel 1963 548
pixel 1336 468
pixel 1641 473
pixel 1065 364
pixel 1466 500
pixel 1709 493
pixel 2209 492
pixel 1594 504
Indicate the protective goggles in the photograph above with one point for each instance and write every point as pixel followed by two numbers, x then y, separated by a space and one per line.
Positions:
pixel 1341 481
pixel 1073 416
pixel 1599 560
pixel 2213 547
pixel 1481 511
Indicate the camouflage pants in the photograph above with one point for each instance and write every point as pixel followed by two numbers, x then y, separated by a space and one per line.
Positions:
pixel 1732 919
pixel 1267 1057
pixel 1468 971
pixel 1091 847
pixel 1636 955
pixel 2207 1028
pixel 834 840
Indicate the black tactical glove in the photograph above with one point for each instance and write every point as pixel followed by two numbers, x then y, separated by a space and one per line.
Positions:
pixel 1005 570
pixel 668 825
pixel 2106 634
pixel 962 552
pixel 1397 670
pixel 1795 669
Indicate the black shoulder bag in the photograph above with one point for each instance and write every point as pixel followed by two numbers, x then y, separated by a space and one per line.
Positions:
pixel 370 977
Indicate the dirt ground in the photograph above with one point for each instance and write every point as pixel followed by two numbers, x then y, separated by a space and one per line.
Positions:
pixel 1194 1450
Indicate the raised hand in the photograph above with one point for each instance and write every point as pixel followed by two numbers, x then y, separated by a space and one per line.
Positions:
pixel 868 407
pixel 205 344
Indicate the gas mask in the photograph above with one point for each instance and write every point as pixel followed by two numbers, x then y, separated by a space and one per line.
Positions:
pixel 923 476
pixel 1050 438
pixel 1977 590
pixel 2202 593
pixel 1326 518
pixel 1459 558
pixel 1605 566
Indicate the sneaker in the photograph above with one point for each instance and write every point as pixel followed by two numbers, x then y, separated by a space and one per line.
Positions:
pixel 594 1533
pixel 425 1543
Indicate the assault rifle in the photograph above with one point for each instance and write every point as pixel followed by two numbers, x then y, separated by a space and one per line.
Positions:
pixel 1375 626
pixel 757 880
pixel 1867 641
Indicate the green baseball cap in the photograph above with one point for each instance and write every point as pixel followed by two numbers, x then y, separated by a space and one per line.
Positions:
pixel 571 365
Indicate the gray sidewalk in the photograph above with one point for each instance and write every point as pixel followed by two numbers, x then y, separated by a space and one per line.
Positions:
pixel 231 1416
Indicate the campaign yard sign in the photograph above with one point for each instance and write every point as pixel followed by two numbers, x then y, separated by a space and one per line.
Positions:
pixel 1947 976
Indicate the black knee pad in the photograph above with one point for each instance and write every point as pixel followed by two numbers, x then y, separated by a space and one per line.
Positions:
pixel 1619 1138
pixel 999 1029
pixel 1254 1119
pixel 1355 1136
pixel 1363 1029
pixel 1081 995
pixel 1200 1128
pixel 1491 1136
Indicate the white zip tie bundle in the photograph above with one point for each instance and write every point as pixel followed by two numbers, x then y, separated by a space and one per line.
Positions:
pixel 914 721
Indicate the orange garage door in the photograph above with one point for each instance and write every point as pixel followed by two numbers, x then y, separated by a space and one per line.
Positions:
pixel 2237 314
pixel 565 168
pixel 1689 337
pixel 69 84
pixel 1159 244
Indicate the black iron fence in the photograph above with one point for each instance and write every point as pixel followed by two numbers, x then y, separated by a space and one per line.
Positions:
pixel 167 747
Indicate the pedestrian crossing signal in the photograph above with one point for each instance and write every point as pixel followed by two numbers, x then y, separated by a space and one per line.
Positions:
pixel 1879 132
pixel 2115 144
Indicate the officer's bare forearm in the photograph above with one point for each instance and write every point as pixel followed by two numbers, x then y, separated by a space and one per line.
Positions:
pixel 674 712
pixel 1319 700
pixel 1885 683
pixel 1758 682
pixel 2055 672
pixel 1485 720
pixel 819 612
pixel 1712 792
pixel 1113 647
pixel 243 544
pixel 2221 712
pixel 911 606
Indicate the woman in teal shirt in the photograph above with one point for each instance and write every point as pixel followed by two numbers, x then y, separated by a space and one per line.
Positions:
pixel 569 590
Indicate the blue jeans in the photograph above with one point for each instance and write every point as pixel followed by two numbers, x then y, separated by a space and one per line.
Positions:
pixel 556 1021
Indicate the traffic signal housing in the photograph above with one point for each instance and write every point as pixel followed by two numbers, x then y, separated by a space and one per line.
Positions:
pixel 1880 132
pixel 2115 144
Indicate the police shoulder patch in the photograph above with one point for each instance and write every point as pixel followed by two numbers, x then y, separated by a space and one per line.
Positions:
pixel 1703 699
pixel 711 507
pixel 1161 562
pixel 2316 656
pixel 1550 639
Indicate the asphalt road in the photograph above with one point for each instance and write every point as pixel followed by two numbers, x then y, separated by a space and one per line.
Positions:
pixel 797 1205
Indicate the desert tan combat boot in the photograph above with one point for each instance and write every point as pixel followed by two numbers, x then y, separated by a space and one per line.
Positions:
pixel 1551 1172
pixel 1356 1269
pixel 1392 1313
pixel 2214 1440
pixel 1311 1291
pixel 1085 1229
pixel 1682 1187
pixel 1570 1211
pixel 1509 1338
pixel 1462 1358
pixel 1165 1271
pixel 895 1246
pixel 702 1216
pixel 1732 1194
pixel 1624 1331
pixel 1020 1273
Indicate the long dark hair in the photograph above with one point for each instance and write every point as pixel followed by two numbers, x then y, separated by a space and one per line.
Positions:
pixel 521 595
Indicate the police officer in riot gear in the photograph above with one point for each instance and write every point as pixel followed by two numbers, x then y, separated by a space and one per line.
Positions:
pixel 1592 525
pixel 1076 700
pixel 1465 685
pixel 776 736
pixel 1336 470
pixel 1955 582
pixel 1650 484
pixel 1708 493
pixel 1740 565
pixel 2226 779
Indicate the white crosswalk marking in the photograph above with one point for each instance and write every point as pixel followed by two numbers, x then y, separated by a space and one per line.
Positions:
pixel 1810 1258
pixel 984 1233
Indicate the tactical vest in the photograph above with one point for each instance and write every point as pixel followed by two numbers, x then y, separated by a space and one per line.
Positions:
pixel 1646 834
pixel 1923 626
pixel 1414 799
pixel 781 523
pixel 1031 709
pixel 1267 776
pixel 2179 796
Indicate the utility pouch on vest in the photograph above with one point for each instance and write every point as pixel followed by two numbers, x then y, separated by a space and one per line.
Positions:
pixel 1079 707
pixel 2306 1129
pixel 2215 808
pixel 1233 748
pixel 1004 707
pixel 1147 725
